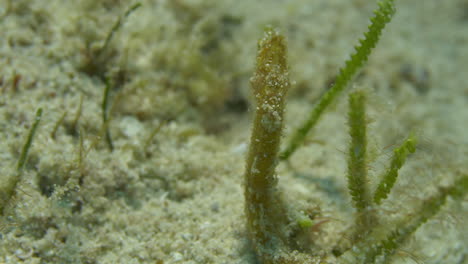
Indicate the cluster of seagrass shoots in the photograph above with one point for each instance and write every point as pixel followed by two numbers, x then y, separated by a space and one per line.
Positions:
pixel 268 217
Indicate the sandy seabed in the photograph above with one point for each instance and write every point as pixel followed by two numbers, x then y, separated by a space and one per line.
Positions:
pixel 179 117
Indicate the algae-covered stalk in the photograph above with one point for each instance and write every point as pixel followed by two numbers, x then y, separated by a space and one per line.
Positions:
pixel 263 207
pixel 357 165
pixel 398 160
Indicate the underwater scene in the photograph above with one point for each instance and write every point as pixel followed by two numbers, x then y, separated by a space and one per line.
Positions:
pixel 233 132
